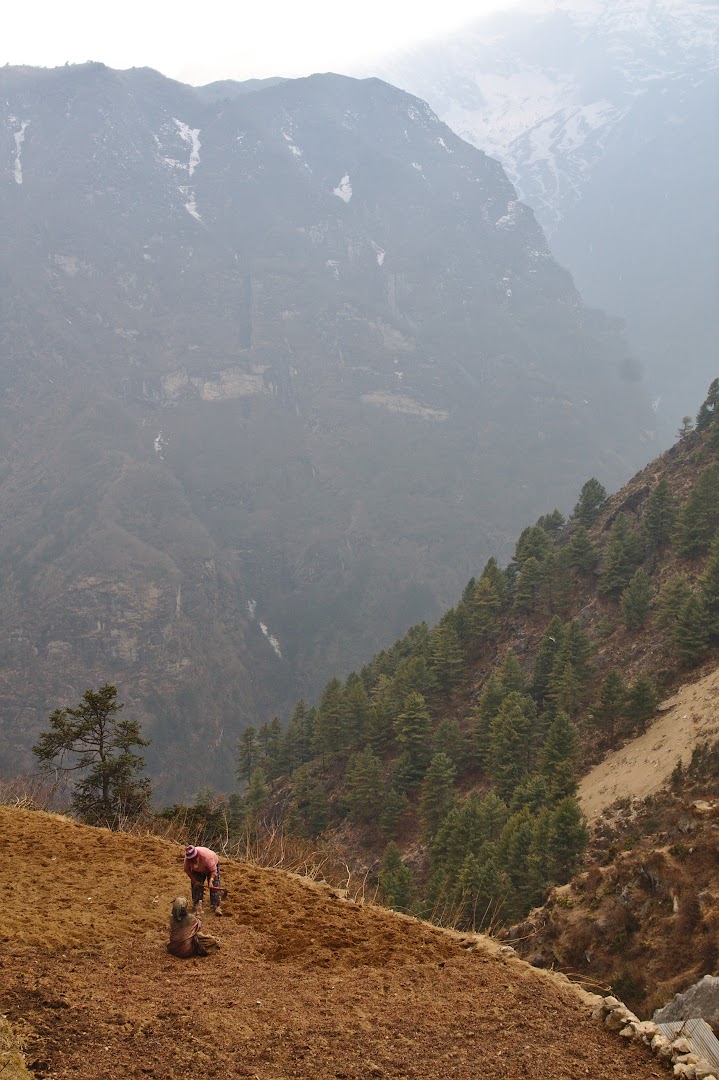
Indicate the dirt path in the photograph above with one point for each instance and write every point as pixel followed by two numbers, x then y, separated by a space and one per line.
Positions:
pixel 306 985
pixel 643 766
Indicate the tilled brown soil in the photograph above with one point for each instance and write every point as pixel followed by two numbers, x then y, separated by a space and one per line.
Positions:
pixel 306 983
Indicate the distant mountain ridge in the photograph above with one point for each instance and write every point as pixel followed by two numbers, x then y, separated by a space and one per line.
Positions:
pixel 601 113
pixel 270 364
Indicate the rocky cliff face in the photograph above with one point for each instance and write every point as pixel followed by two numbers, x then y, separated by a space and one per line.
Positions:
pixel 601 114
pixel 279 371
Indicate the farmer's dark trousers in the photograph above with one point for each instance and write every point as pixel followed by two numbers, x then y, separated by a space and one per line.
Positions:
pixel 198 888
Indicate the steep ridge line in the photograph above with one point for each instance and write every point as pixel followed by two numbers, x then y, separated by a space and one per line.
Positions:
pixel 306 984
pixel 642 767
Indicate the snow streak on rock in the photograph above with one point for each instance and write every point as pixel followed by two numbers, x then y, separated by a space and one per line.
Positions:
pixel 344 189
pixel 191 136
pixel 272 639
pixel 19 140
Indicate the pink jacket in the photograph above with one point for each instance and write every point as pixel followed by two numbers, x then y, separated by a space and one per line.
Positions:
pixel 205 863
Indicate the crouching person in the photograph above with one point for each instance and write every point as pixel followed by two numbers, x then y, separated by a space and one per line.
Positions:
pixel 185 937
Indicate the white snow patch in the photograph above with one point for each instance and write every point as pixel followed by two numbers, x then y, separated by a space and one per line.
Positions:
pixel 272 639
pixel 416 165
pixel 295 149
pixel 252 608
pixel 508 220
pixel 190 205
pixel 334 267
pixel 191 136
pixel 160 445
pixel 380 253
pixel 442 143
pixel 344 189
pixel 19 140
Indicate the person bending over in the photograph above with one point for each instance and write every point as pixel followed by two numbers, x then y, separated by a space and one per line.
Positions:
pixel 202 865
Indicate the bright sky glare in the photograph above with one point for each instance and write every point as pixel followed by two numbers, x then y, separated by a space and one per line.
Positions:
pixel 237 39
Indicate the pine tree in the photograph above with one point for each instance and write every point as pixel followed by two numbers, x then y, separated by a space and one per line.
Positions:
pixel 255 798
pixel 561 744
pixel 101 749
pixel 533 543
pixel 486 604
pixel 611 705
pixel 309 813
pixel 583 555
pixel 489 705
pixel 511 675
pixel 447 657
pixel 395 880
pixel 642 701
pixel 497 579
pixel 437 796
pixel 533 793
pixel 557 586
pixel 480 889
pixel 690 633
pixel 514 847
pixel 529 585
pixel 546 654
pixel 383 709
pixel 413 731
pixel 592 496
pixel 269 739
pixel 622 556
pixel 636 600
pixel 564 782
pixel 539 870
pixel 413 676
pixel 686 428
pixel 567 836
pixel 698 520
pixel 395 805
pixel 672 597
pixel 661 513
pixel 329 720
pixel 449 740
pixel 552 523
pixel 248 752
pixel 709 585
pixel 566 689
pixel 577 648
pixel 510 739
pixel 709 409
pixel 364 785
pixel 355 713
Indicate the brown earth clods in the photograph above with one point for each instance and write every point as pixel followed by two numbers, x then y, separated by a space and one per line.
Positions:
pixel 307 984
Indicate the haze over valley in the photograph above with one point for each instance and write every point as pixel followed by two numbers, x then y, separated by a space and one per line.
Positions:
pixel 283 365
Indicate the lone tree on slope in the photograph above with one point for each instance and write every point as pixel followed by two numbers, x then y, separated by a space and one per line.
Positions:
pixel 100 747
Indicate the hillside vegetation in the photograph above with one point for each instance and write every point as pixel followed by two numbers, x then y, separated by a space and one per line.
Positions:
pixel 306 983
pixel 449 764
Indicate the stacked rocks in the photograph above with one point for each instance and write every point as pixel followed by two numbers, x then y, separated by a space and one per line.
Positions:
pixel 676 1053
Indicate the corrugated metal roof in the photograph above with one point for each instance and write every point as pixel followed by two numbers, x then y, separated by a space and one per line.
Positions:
pixel 698 1034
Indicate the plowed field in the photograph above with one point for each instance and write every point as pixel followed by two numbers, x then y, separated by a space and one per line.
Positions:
pixel 306 983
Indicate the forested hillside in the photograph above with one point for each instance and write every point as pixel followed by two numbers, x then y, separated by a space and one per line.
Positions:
pixel 454 755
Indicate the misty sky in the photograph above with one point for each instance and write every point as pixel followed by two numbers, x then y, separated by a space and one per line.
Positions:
pixel 240 39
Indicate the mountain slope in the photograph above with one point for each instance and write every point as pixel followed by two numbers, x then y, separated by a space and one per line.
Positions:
pixel 456 766
pixel 269 364
pixel 600 112
pixel 305 984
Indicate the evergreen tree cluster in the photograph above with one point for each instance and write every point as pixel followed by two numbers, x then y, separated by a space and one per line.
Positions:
pixel 396 748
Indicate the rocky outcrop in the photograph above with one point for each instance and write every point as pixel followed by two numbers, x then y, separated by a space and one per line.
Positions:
pixel 700 1000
